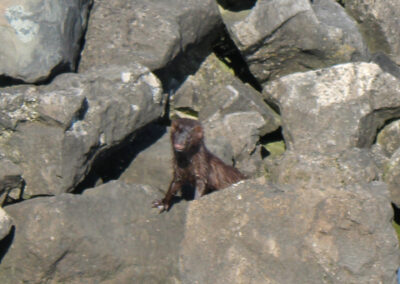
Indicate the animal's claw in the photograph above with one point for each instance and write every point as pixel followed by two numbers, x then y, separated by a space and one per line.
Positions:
pixel 160 205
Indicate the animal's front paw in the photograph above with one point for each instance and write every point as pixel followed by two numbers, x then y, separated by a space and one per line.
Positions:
pixel 158 203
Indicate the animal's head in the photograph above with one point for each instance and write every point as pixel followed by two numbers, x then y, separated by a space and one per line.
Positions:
pixel 186 134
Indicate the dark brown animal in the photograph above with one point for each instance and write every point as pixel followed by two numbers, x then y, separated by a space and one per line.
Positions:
pixel 194 164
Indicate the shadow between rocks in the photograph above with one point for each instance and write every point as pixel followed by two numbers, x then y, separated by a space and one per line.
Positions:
pixel 5 243
pixel 114 161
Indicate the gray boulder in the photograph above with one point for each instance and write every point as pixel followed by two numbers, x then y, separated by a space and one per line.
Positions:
pixel 150 32
pixel 54 133
pixel 109 234
pixel 391 175
pixel 260 233
pixel 386 152
pixel 152 165
pixel 214 90
pixel 40 39
pixel 319 170
pixel 281 37
pixel 242 131
pixel 5 224
pixel 379 24
pixel 334 109
pixel 388 138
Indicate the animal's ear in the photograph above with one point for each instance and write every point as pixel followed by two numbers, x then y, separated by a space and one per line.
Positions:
pixel 174 124
pixel 198 132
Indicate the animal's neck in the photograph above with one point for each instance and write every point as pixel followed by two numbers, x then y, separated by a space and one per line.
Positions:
pixel 184 159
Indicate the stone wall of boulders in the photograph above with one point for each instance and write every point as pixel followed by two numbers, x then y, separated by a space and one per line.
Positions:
pixel 302 96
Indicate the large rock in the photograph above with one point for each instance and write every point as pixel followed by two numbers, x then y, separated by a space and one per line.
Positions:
pixel 391 175
pixel 150 32
pixel 5 224
pixel 214 90
pixel 153 164
pixel 110 234
pixel 388 138
pixel 40 38
pixel 258 233
pixel 54 133
pixel 281 37
pixel 386 152
pixel 242 131
pixel 233 113
pixel 379 24
pixel 334 109
pixel 315 170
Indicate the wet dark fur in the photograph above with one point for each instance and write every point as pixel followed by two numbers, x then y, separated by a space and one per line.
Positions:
pixel 194 165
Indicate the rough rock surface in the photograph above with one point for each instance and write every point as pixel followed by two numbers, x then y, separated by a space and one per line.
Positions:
pixel 5 224
pixel 335 108
pixel 158 157
pixel 386 152
pixel 314 169
pixel 11 181
pixel 149 32
pixel 269 234
pixel 40 38
pixel 232 112
pixel 55 132
pixel 109 234
pixel 242 131
pixel 281 37
pixel 379 23
pixel 152 165
pixel 388 138
pixel 324 215
pixel 391 175
pixel 214 91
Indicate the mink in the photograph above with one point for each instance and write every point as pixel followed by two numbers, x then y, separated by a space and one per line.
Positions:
pixel 194 164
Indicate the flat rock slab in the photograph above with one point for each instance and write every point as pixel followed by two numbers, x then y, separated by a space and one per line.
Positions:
pixel 109 234
pixel 40 38
pixel 280 37
pixel 150 32
pixel 54 133
pixel 259 233
pixel 334 109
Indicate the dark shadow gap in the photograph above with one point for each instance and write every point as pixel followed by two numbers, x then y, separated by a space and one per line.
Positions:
pixel 186 63
pixel 275 136
pixel 396 216
pixel 61 68
pixel 5 243
pixel 236 6
pixel 342 3
pixel 110 164
pixel 226 50
pixel 6 81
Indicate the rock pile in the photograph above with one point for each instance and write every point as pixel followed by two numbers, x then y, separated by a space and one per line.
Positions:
pixel 87 90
